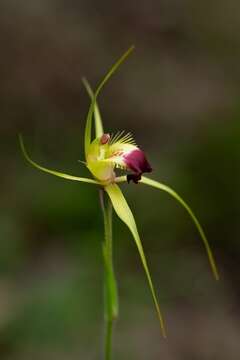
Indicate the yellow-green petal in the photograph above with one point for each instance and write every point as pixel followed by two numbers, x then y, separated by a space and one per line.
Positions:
pixel 173 193
pixel 88 128
pixel 50 171
pixel 123 211
pixel 97 116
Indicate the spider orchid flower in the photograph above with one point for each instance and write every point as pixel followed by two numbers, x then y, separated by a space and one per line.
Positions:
pixel 103 156
pixel 120 151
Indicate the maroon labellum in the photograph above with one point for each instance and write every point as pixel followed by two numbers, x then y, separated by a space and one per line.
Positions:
pixel 137 162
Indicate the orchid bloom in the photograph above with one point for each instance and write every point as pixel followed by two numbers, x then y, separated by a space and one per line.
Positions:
pixel 120 151
pixel 103 156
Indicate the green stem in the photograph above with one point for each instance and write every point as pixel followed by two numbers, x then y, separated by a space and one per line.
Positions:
pixel 110 286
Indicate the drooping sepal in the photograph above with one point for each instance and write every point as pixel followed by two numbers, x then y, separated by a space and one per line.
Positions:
pixel 125 214
pixel 173 193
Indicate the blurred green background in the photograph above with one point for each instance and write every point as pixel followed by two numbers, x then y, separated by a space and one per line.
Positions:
pixel 179 95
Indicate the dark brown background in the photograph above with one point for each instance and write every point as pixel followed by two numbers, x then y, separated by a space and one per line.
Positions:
pixel 179 95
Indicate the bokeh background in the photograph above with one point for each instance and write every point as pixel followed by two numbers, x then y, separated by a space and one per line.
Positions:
pixel 179 95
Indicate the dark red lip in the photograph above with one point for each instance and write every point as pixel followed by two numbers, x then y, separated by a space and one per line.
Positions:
pixel 137 162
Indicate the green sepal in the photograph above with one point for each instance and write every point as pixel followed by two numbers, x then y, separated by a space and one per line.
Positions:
pixel 173 193
pixel 125 214
pixel 97 116
pixel 50 171
pixel 88 127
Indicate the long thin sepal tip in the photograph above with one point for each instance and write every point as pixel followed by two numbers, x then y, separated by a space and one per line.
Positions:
pixel 50 171
pixel 125 214
pixel 173 193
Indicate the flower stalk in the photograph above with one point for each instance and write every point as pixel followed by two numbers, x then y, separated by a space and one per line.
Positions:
pixel 110 284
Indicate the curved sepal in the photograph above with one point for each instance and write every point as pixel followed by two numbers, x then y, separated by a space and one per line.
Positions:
pixel 88 127
pixel 125 214
pixel 173 193
pixel 97 116
pixel 52 172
